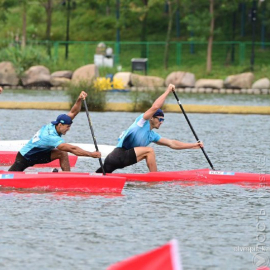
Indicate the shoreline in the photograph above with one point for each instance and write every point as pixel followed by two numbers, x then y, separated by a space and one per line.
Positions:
pixel 128 107
pixel 194 90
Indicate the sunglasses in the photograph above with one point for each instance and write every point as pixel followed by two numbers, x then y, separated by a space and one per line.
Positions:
pixel 160 119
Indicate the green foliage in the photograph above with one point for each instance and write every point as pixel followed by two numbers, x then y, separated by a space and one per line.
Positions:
pixel 23 59
pixel 96 21
pixel 143 100
pixel 96 100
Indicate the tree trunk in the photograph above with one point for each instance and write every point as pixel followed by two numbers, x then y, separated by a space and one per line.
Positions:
pixel 24 26
pixel 108 10
pixel 168 37
pixel 144 31
pixel 210 38
pixel 49 9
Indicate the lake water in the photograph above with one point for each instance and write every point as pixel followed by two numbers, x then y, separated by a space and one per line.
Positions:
pixel 213 224
pixel 186 98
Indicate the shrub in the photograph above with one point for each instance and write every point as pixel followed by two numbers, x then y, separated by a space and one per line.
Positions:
pixel 103 84
pixel 96 100
pixel 143 100
pixel 23 59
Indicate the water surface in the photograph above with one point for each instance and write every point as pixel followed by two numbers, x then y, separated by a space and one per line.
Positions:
pixel 69 231
pixel 186 98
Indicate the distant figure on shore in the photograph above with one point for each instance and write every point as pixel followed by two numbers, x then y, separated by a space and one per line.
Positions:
pixel 47 144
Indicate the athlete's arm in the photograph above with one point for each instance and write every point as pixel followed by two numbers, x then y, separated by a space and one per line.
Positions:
pixel 174 144
pixel 158 103
pixel 77 106
pixel 77 150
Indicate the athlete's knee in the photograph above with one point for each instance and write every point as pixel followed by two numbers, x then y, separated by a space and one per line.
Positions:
pixel 150 151
pixel 57 154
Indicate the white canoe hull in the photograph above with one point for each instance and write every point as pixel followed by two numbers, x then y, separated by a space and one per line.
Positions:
pixel 16 145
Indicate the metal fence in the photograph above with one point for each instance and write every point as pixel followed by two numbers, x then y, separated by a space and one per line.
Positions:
pixel 180 53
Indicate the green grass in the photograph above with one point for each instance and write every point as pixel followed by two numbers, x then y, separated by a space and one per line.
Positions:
pixel 82 53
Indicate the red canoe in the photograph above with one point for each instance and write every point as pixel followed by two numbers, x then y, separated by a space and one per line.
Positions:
pixel 165 257
pixel 205 176
pixel 7 158
pixel 77 182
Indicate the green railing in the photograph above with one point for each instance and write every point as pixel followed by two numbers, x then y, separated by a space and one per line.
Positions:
pixel 180 53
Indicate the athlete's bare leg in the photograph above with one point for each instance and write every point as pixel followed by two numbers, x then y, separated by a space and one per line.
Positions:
pixel 63 159
pixel 148 154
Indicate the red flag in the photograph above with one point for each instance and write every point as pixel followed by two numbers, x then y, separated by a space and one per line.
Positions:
pixel 162 258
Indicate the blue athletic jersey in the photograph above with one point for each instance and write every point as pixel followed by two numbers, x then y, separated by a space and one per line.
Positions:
pixel 44 140
pixel 138 134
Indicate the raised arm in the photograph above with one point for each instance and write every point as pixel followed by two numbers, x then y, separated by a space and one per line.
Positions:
pixel 1 89
pixel 77 150
pixel 158 103
pixel 174 144
pixel 77 106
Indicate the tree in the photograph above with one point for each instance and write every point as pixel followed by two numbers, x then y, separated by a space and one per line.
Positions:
pixel 24 22
pixel 5 5
pixel 141 8
pixel 172 7
pixel 200 18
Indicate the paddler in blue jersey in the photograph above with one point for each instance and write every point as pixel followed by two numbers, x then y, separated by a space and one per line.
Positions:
pixel 48 144
pixel 133 143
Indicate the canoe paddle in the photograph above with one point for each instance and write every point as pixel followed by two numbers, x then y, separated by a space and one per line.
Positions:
pixel 93 135
pixel 193 131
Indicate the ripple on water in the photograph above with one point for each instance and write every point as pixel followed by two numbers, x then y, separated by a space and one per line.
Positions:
pixel 57 230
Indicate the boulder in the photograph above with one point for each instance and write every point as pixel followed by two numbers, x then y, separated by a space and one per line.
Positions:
pixel 238 81
pixel 125 77
pixel 181 79
pixel 263 83
pixel 37 76
pixel 58 81
pixel 63 74
pixel 85 74
pixel 146 81
pixel 209 83
pixel 8 74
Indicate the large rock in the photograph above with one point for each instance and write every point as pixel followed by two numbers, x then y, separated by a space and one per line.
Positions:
pixel 37 76
pixel 209 83
pixel 85 74
pixel 243 80
pixel 62 74
pixel 263 83
pixel 60 81
pixel 125 77
pixel 8 74
pixel 181 79
pixel 146 81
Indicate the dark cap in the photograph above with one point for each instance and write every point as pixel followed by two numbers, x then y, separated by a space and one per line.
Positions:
pixel 63 119
pixel 159 112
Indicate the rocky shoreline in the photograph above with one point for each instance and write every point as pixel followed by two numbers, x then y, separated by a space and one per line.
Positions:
pixel 194 90
pixel 40 78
